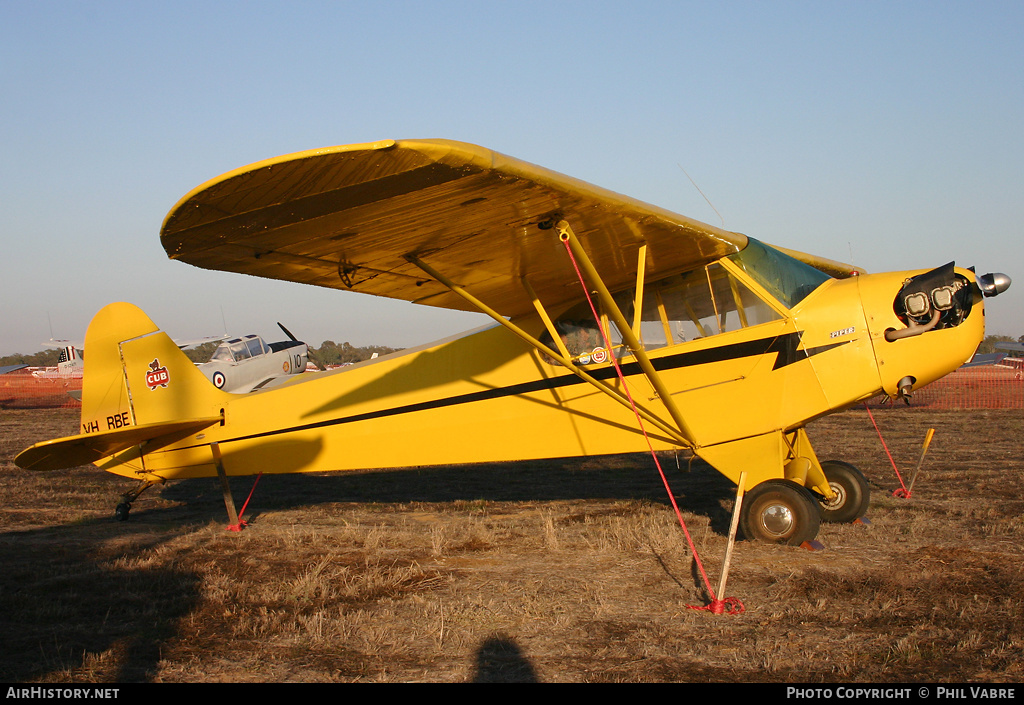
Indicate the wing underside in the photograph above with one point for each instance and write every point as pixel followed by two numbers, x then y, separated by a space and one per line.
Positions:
pixel 352 217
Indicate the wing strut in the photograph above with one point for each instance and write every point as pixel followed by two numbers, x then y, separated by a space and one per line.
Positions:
pixel 561 357
pixel 566 235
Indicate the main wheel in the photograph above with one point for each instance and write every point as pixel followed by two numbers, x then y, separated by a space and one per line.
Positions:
pixel 122 510
pixel 852 493
pixel 780 511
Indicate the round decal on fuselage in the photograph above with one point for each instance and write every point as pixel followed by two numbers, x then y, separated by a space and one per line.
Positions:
pixel 219 380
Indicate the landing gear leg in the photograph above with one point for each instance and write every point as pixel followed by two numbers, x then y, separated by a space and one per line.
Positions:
pixel 124 508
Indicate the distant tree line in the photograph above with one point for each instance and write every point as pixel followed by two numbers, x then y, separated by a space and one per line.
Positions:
pixel 330 353
pixel 43 358
pixel 988 345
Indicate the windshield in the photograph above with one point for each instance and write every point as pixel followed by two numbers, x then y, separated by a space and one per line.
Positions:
pixel 787 279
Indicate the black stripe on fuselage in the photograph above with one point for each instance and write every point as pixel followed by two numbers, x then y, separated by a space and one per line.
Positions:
pixel 787 347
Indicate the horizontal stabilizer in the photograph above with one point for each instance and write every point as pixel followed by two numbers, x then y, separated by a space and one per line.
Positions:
pixel 92 447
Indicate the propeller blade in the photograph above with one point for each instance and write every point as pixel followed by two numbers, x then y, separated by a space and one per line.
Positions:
pixel 288 333
pixel 309 352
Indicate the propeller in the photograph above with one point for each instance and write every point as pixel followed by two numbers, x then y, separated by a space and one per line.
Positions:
pixel 309 352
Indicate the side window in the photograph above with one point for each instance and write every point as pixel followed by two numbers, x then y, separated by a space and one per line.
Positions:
pixel 699 304
pixel 578 331
pixel 240 351
pixel 254 346
pixel 222 354
pixel 681 308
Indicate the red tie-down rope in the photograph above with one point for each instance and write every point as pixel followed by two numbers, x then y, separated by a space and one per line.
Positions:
pixel 242 523
pixel 902 491
pixel 729 605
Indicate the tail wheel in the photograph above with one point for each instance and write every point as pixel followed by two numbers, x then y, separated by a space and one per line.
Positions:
pixel 852 493
pixel 780 511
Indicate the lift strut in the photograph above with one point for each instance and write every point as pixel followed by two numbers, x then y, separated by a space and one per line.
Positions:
pixel 562 357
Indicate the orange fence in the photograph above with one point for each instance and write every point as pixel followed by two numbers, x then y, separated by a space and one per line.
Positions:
pixel 22 390
pixel 987 387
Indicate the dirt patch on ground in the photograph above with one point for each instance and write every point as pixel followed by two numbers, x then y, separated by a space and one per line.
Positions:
pixel 562 570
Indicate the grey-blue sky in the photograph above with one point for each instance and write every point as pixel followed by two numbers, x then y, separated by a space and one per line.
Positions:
pixel 886 133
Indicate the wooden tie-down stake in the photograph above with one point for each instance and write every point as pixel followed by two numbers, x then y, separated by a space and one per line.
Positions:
pixel 905 492
pixel 732 532
pixel 229 501
pixel 924 450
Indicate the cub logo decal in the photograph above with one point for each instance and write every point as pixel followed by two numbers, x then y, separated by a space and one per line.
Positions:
pixel 157 376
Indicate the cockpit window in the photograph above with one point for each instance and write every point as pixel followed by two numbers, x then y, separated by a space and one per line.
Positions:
pixel 706 302
pixel 222 354
pixel 254 346
pixel 787 279
pixel 240 351
pixel 578 331
pixel 696 304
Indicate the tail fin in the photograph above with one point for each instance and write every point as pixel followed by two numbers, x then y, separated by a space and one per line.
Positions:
pixel 69 362
pixel 136 375
pixel 137 387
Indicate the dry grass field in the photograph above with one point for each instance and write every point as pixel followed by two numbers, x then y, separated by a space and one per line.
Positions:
pixel 569 570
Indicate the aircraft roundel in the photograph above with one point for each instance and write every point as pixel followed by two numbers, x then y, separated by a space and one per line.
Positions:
pixel 219 380
pixel 285 366
pixel 599 355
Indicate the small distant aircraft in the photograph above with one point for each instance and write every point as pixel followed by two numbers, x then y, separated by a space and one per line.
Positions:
pixel 619 327
pixel 44 386
pixel 238 365
pixel 69 362
pixel 985 360
pixel 244 364
pixel 1011 347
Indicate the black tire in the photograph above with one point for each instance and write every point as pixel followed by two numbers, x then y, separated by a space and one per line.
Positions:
pixel 852 493
pixel 122 511
pixel 780 511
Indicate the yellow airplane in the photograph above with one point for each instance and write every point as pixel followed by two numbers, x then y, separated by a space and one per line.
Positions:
pixel 725 346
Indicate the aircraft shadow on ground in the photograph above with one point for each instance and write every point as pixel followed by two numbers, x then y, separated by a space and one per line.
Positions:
pixel 698 488
pixel 72 606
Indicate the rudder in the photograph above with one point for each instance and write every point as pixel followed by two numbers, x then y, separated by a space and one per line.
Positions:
pixel 134 374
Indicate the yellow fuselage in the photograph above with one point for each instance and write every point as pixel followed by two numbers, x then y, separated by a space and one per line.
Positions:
pixel 488 396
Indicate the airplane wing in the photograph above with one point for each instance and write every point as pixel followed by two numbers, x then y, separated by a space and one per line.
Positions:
pixel 180 342
pixel 193 342
pixel 838 270
pixel 53 343
pixel 347 218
